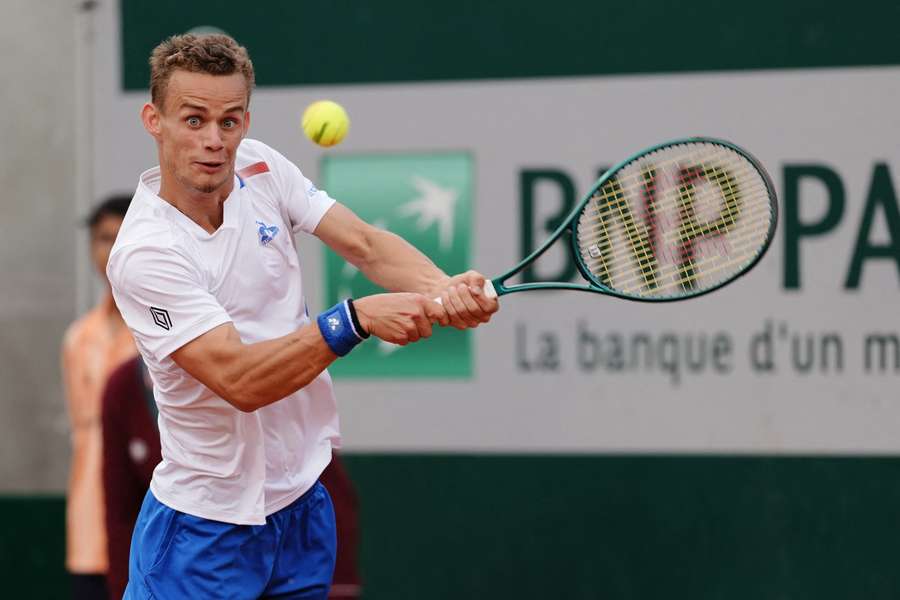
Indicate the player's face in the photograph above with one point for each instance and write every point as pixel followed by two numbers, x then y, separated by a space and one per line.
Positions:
pixel 103 235
pixel 203 119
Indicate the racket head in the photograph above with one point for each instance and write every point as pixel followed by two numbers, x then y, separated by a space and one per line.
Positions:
pixel 675 221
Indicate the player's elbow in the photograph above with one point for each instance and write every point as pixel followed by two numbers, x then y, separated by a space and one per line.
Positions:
pixel 242 398
pixel 249 393
pixel 241 403
pixel 249 386
pixel 239 392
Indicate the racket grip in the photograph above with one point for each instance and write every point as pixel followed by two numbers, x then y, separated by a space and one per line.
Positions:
pixel 488 290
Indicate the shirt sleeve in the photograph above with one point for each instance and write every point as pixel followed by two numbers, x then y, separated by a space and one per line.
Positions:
pixel 163 298
pixel 302 202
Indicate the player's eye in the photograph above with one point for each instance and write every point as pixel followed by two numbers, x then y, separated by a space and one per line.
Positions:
pixel 193 121
pixel 229 123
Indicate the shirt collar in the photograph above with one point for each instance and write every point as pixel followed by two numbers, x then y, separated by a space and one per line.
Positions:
pixel 149 185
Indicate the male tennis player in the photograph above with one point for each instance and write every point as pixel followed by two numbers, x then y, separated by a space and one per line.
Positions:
pixel 205 272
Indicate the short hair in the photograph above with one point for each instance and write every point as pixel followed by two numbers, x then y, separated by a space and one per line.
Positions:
pixel 213 53
pixel 114 206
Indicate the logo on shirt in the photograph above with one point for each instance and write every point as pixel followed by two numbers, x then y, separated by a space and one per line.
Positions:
pixel 267 233
pixel 161 317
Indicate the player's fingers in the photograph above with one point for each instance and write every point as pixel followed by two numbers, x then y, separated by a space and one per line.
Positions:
pixel 473 309
pixel 412 331
pixel 477 282
pixel 423 326
pixel 462 301
pixel 475 279
pixel 452 312
pixel 399 335
pixel 487 305
pixel 436 313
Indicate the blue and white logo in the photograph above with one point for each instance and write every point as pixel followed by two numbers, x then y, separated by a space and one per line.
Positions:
pixel 267 233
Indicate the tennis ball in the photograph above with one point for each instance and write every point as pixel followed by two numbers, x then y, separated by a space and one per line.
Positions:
pixel 325 122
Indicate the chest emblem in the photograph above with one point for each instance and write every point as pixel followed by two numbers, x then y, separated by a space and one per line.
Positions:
pixel 267 233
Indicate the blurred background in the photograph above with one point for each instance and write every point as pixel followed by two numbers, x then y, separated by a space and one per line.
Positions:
pixel 740 445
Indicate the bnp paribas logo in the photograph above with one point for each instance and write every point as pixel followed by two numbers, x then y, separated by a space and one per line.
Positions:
pixel 427 200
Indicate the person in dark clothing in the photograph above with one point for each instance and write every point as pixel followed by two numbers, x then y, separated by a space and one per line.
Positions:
pixel 345 583
pixel 130 453
pixel 131 450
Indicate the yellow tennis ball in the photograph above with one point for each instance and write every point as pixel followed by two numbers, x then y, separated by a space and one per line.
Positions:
pixel 325 122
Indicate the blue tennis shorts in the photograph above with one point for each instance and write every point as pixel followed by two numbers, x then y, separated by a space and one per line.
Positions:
pixel 177 556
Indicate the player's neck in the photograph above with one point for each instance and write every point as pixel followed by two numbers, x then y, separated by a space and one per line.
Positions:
pixel 204 209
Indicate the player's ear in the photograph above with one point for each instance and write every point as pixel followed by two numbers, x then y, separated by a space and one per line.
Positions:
pixel 150 117
pixel 246 124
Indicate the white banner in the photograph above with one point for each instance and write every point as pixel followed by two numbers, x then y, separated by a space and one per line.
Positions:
pixel 754 367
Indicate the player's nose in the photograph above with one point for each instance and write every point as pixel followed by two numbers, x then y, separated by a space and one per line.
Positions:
pixel 212 138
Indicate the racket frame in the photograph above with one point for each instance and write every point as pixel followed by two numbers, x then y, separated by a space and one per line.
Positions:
pixel 571 221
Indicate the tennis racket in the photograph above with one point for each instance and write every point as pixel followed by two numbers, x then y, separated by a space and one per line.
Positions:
pixel 672 222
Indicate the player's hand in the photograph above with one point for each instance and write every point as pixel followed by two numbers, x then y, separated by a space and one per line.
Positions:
pixel 464 299
pixel 399 318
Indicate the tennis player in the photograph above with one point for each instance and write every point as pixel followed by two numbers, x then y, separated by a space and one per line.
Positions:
pixel 206 275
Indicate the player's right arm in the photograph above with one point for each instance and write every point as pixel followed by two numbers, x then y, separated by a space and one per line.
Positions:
pixel 164 297
pixel 250 376
pixel 166 303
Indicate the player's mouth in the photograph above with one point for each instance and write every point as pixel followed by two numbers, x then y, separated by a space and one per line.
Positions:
pixel 210 167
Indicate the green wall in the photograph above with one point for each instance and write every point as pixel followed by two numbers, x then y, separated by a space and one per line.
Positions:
pixel 33 547
pixel 348 41
pixel 577 527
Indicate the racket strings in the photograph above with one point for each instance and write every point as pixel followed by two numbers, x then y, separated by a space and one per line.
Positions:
pixel 741 248
pixel 634 283
pixel 605 193
pixel 762 215
pixel 709 261
pixel 733 191
pixel 738 245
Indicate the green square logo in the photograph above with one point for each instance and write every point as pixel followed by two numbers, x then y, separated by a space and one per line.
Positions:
pixel 425 199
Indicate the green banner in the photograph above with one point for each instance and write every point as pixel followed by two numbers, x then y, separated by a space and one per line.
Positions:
pixel 346 41
pixel 426 199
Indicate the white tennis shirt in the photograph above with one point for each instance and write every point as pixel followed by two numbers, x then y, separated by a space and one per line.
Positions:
pixel 173 281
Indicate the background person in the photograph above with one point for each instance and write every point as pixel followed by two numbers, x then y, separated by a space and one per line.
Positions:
pixel 93 346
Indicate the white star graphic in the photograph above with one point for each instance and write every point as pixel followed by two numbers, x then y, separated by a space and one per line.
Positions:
pixel 434 203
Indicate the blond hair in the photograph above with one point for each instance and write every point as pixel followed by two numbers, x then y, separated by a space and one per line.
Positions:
pixel 216 54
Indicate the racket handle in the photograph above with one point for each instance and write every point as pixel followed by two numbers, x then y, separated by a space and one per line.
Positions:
pixel 488 290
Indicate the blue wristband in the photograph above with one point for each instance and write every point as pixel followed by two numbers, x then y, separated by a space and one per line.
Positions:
pixel 336 325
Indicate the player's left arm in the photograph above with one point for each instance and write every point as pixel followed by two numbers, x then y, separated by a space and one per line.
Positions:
pixel 391 262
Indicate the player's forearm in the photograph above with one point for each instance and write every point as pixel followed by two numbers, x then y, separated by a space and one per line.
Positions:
pixel 250 376
pixel 396 265
pixel 265 372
